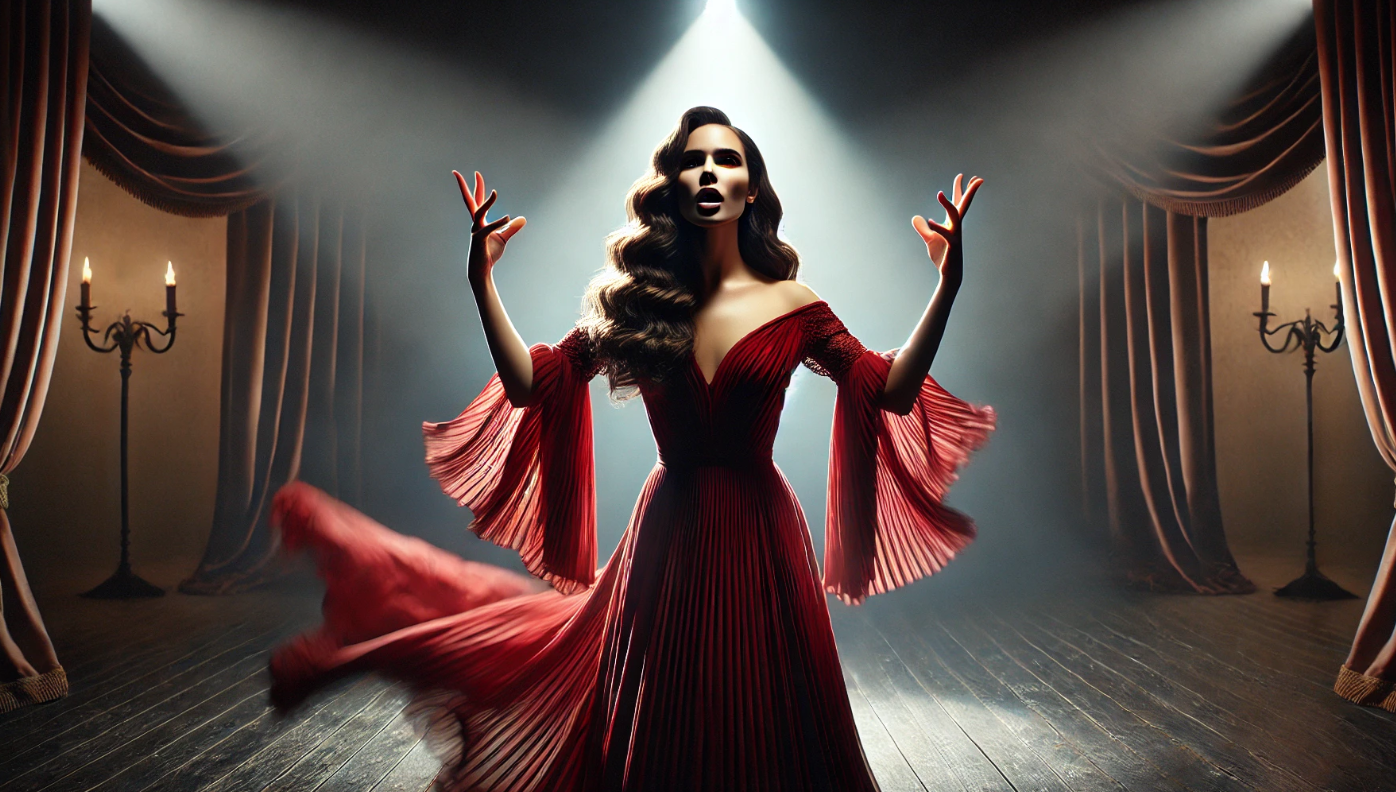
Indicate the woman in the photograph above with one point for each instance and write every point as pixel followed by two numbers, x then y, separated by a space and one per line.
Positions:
pixel 701 655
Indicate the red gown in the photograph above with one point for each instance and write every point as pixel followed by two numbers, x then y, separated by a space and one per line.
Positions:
pixel 701 656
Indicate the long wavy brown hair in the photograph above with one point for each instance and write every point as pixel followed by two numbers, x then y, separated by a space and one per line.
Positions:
pixel 639 309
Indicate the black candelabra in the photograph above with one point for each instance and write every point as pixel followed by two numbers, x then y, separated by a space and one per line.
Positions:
pixel 126 334
pixel 1306 334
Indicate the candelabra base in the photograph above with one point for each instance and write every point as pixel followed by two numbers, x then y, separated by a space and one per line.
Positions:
pixel 124 584
pixel 1314 585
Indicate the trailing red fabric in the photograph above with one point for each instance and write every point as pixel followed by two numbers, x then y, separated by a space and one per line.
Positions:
pixel 527 473
pixel 378 580
pixel 403 606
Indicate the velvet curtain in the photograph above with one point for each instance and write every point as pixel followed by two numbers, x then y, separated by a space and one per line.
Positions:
pixel 143 138
pixel 292 377
pixel 1146 372
pixel 292 341
pixel 1146 378
pixel 1358 70
pixel 1258 145
pixel 45 82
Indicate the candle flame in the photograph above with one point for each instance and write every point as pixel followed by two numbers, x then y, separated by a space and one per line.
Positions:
pixel 169 274
pixel 1265 274
pixel 1335 271
pixel 86 271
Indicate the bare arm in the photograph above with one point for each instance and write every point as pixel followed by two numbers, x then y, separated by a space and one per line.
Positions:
pixel 913 361
pixel 487 241
pixel 507 347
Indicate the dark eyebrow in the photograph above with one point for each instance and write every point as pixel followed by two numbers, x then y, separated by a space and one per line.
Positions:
pixel 716 152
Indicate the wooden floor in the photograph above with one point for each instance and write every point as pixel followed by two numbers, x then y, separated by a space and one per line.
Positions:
pixel 1071 691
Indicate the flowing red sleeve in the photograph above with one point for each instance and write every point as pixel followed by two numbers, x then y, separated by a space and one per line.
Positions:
pixel 886 524
pixel 527 473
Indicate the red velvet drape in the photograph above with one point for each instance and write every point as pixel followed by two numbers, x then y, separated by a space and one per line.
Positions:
pixel 141 136
pixel 1147 381
pixel 292 376
pixel 1358 70
pixel 1261 143
pixel 1146 370
pixel 45 83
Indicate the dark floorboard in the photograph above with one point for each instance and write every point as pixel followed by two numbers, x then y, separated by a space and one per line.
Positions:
pixel 1086 691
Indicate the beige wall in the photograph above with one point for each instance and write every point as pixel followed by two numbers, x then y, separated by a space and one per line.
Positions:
pixel 1259 397
pixel 66 493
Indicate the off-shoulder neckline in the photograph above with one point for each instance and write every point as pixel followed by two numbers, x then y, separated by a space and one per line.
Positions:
pixel 717 372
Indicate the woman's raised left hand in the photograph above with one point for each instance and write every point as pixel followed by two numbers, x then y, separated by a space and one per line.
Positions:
pixel 943 240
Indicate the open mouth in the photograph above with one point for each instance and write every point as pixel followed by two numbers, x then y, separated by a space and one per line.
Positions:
pixel 709 201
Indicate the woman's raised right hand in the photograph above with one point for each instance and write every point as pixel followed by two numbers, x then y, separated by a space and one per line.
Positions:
pixel 487 239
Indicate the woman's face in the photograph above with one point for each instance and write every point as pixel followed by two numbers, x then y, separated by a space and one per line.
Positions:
pixel 714 177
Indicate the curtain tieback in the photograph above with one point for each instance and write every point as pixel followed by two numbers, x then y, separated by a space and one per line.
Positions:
pixel 4 491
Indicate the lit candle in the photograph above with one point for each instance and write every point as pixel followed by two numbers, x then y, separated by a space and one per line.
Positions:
pixel 170 290
pixel 86 284
pixel 1265 288
pixel 1338 288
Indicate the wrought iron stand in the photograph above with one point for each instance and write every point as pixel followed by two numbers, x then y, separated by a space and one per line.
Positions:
pixel 1307 333
pixel 126 334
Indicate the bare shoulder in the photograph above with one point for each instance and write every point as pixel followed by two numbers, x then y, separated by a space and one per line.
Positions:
pixel 794 294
